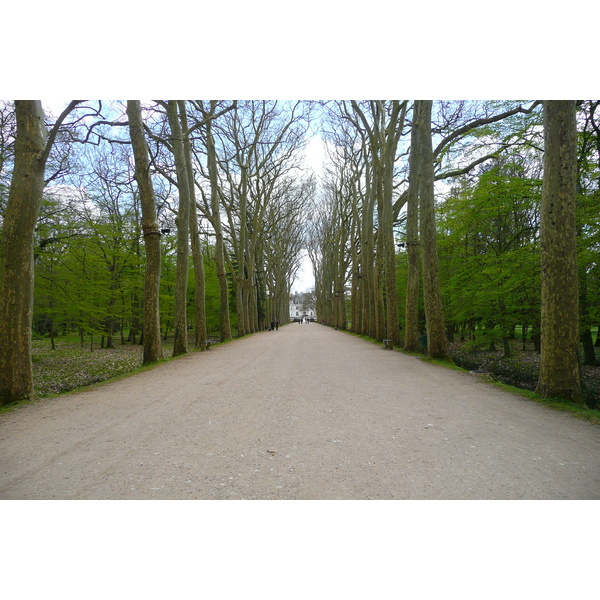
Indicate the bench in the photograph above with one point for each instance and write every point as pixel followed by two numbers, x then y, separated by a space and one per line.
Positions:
pixel 389 344
pixel 205 344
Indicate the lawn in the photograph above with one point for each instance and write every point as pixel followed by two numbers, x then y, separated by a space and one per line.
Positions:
pixel 70 366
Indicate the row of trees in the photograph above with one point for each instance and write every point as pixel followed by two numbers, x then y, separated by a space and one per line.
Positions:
pixel 441 218
pixel 137 216
pixel 437 218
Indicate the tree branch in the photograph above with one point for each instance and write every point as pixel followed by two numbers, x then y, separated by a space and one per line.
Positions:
pixel 480 122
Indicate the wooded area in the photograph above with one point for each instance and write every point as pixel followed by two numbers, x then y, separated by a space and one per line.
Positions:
pixel 430 222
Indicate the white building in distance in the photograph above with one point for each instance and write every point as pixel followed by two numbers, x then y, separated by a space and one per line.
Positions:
pixel 302 305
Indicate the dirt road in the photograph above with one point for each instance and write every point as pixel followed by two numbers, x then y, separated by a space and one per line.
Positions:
pixel 306 412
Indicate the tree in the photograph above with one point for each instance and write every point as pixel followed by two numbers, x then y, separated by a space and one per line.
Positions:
pixel 183 229
pixel 559 364
pixel 383 134
pixel 152 343
pixel 437 346
pixel 32 148
pixel 489 252
pixel 198 259
pixel 215 219
pixel 588 199
pixel 258 143
pixel 411 315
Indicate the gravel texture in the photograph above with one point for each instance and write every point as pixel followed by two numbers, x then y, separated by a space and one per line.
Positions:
pixel 305 412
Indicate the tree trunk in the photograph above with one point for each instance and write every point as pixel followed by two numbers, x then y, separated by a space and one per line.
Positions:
pixel 411 333
pixel 152 349
pixel 389 144
pixel 16 269
pixel 389 247
pixel 198 259
pixel 434 311
pixel 183 231
pixel 588 348
pixel 367 262
pixel 240 279
pixel 216 223
pixel 559 362
pixel 380 321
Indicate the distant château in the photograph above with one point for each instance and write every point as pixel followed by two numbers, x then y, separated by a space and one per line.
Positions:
pixel 302 305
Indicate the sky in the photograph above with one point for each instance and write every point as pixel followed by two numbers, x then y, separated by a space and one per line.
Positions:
pixel 315 156
pixel 305 280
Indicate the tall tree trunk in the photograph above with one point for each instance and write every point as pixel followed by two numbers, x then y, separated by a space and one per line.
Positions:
pixel 183 232
pixel 559 361
pixel 16 269
pixel 411 332
pixel 367 261
pixel 389 145
pixel 389 247
pixel 241 254
pixel 216 223
pixel 355 299
pixel 152 348
pixel 198 259
pixel 380 321
pixel 437 346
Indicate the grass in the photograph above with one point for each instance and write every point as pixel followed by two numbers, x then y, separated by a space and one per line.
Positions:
pixel 70 367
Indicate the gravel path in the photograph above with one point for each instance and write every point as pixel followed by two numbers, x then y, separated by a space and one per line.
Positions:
pixel 303 413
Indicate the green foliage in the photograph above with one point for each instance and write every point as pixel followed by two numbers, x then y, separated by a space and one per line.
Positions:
pixel 489 254
pixel 212 300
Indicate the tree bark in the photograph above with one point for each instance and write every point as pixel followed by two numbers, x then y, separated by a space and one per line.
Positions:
pixel 383 134
pixel 559 362
pixel 152 348
pixel 388 153
pixel 368 260
pixel 216 223
pixel 183 232
pixel 16 270
pixel 437 346
pixel 411 332
pixel 197 258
